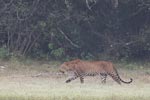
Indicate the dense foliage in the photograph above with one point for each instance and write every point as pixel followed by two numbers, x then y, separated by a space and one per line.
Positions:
pixel 60 29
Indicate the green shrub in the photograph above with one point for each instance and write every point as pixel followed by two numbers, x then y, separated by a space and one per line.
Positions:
pixel 51 46
pixel 57 53
pixel 3 53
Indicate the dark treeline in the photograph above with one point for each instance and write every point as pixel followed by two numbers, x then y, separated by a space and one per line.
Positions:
pixel 109 29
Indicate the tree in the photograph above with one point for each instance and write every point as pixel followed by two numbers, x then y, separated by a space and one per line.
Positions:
pixel 75 28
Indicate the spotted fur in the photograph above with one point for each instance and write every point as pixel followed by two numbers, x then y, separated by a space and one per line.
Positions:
pixel 81 68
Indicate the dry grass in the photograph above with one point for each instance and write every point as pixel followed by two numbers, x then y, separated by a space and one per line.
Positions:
pixel 17 82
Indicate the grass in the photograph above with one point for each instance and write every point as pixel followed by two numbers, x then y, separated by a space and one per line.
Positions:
pixel 17 83
pixel 23 88
pixel 27 88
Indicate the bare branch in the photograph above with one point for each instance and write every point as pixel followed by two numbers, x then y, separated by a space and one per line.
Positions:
pixel 66 37
pixel 90 1
pixel 33 43
pixel 6 6
pixel 34 5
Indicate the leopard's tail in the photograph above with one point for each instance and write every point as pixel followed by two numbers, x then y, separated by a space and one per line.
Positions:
pixel 122 79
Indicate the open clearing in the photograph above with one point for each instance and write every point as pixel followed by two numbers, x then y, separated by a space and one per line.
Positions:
pixel 48 85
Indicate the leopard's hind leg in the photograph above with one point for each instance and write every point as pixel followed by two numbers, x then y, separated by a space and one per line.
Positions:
pixel 115 77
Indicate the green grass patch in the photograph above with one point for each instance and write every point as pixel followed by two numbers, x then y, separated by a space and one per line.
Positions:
pixel 27 88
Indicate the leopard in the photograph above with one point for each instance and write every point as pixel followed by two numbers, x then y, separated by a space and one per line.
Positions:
pixel 81 68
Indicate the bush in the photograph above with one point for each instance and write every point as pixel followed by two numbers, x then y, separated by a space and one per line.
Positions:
pixel 3 53
pixel 58 53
